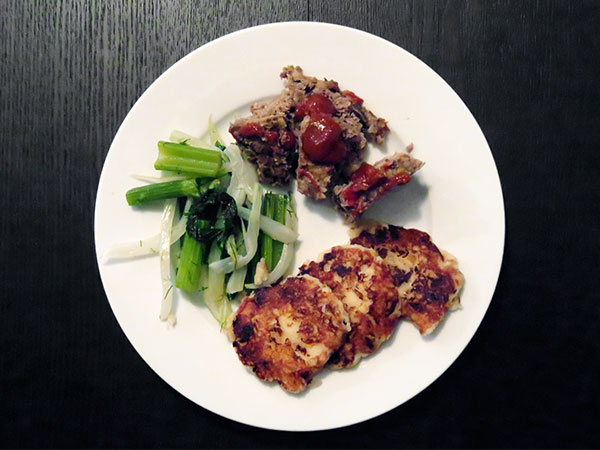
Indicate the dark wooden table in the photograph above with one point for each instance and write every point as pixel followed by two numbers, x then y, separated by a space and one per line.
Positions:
pixel 529 72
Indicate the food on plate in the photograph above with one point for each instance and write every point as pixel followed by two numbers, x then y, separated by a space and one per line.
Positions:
pixel 362 281
pixel 427 278
pixel 225 237
pixel 385 274
pixel 371 182
pixel 287 333
pixel 318 132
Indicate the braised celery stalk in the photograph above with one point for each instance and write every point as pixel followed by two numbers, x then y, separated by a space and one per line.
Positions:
pixel 284 207
pixel 162 191
pixel 184 158
pixel 173 189
pixel 191 260
pixel 265 241
pixel 274 207
pixel 281 206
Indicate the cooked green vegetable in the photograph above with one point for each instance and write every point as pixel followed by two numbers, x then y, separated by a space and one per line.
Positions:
pixel 214 295
pixel 276 230
pixel 228 264
pixel 223 233
pixel 191 261
pixel 281 206
pixel 173 189
pixel 287 252
pixel 274 207
pixel 162 191
pixel 187 159
pixel 265 241
pixel 217 208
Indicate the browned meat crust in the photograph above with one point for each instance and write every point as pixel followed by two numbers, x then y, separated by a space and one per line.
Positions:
pixel 363 282
pixel 371 182
pixel 314 179
pixel 271 148
pixel 357 121
pixel 271 136
pixel 288 332
pixel 428 279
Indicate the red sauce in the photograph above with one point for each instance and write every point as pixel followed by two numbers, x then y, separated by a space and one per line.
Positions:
pixel 321 141
pixel 367 176
pixel 251 129
pixel 354 99
pixel 308 175
pixel 271 137
pixel 313 105
pixel 399 178
pixel 288 140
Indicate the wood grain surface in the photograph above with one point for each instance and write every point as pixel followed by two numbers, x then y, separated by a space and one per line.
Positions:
pixel 529 72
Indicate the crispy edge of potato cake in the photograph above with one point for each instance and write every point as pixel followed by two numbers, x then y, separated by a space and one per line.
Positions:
pixel 428 279
pixel 287 332
pixel 361 279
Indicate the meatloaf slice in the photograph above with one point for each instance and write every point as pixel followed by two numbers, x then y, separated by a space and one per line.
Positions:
pixel 271 138
pixel 322 102
pixel 271 148
pixel 357 121
pixel 371 182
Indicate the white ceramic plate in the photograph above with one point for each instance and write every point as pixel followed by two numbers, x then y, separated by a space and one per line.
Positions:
pixel 456 197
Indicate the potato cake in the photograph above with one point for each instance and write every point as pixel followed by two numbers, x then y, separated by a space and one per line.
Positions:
pixel 428 280
pixel 288 332
pixel 360 278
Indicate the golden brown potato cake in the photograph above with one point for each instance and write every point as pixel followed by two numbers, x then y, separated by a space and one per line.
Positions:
pixel 363 282
pixel 288 332
pixel 428 279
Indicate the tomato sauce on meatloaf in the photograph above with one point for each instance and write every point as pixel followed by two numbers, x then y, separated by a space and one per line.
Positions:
pixel 318 132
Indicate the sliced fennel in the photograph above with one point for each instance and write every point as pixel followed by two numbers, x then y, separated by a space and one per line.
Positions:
pixel 166 225
pixel 280 269
pixel 236 280
pixel 234 248
pixel 214 295
pixel 149 245
pixel 285 260
pixel 183 138
pixel 243 175
pixel 158 179
pixel 213 133
pixel 277 231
